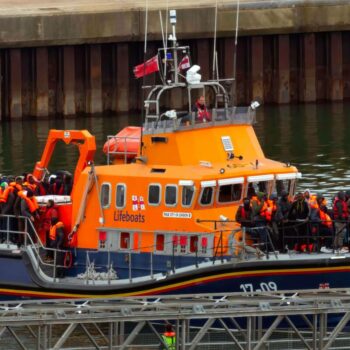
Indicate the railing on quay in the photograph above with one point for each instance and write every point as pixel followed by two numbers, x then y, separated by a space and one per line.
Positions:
pixel 307 319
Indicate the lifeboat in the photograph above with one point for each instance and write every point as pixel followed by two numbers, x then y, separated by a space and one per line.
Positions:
pixel 125 144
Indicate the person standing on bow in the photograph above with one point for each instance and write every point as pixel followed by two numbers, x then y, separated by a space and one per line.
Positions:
pixel 57 243
pixel 200 108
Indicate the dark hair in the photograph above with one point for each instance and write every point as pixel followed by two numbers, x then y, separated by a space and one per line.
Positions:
pixel 54 220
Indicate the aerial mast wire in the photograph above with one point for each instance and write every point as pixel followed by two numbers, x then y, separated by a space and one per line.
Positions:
pixel 143 78
pixel 235 56
pixel 215 57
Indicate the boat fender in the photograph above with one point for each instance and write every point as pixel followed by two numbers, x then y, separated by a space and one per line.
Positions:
pixel 68 260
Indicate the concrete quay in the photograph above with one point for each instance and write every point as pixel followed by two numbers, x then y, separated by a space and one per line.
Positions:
pixel 64 57
pixel 63 22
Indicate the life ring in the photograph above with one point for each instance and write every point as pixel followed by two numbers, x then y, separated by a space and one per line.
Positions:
pixel 68 260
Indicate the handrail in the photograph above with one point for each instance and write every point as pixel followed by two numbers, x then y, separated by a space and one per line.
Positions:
pixel 29 242
pixel 218 249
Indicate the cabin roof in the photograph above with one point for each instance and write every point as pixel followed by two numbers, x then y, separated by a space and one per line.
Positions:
pixel 234 168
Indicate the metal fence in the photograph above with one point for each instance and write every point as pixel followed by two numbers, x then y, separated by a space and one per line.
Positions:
pixel 274 320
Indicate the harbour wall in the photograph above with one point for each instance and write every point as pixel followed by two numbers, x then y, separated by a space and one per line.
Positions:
pixel 67 61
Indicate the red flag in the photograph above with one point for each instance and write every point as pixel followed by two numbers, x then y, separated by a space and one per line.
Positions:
pixel 185 63
pixel 146 68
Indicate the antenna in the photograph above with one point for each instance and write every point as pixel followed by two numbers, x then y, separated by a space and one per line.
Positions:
pixel 215 57
pixel 173 38
pixel 235 55
pixel 143 79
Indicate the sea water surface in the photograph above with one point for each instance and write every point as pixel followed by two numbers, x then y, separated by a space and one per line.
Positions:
pixel 315 138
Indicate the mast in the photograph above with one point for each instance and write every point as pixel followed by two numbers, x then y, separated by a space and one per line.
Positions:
pixel 173 38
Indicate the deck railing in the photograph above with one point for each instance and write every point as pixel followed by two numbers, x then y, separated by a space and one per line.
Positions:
pixel 20 231
pixel 186 121
pixel 300 232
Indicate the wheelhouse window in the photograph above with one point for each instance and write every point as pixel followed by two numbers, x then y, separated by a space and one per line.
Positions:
pixel 207 193
pixel 187 196
pixel 120 196
pixel 286 182
pixel 283 185
pixel 124 240
pixel 260 183
pixel 105 195
pixel 230 193
pixel 171 195
pixel 154 192
pixel 207 196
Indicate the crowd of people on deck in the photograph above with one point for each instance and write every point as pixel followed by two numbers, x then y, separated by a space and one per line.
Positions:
pixel 18 201
pixel 302 224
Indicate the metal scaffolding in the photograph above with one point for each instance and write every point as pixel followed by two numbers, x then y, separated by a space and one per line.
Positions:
pixel 317 319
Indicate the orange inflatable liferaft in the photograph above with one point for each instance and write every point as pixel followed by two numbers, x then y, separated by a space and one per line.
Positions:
pixel 125 143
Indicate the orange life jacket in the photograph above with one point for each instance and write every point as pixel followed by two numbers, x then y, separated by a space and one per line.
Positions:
pixel 53 230
pixel 263 209
pixel 11 187
pixel 326 219
pixel 271 209
pixel 313 202
pixel 15 185
pixel 30 186
pixel 31 202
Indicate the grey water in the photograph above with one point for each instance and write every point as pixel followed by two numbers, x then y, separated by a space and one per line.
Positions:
pixel 313 137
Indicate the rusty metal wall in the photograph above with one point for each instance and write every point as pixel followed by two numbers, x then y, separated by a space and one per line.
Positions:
pixel 97 78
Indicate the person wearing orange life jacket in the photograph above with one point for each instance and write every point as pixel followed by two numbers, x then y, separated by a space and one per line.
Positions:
pixel 259 212
pixel 3 187
pixel 8 199
pixel 245 218
pixel 341 218
pixel 30 183
pixel 320 222
pixel 29 208
pixel 272 219
pixel 56 236
pixel 202 112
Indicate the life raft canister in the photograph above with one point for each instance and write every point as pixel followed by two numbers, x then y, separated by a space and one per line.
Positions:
pixel 126 141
